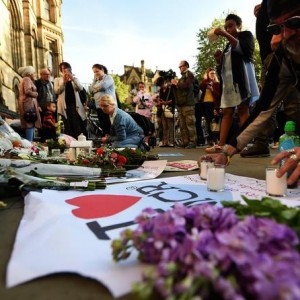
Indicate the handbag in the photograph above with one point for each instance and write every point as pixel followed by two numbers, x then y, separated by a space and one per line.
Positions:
pixel 83 96
pixel 215 126
pixel 30 116
pixel 167 111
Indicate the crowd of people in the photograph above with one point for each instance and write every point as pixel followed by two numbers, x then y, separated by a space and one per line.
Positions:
pixel 227 95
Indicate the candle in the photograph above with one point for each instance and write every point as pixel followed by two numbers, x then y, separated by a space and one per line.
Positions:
pixel 81 138
pixel 72 154
pixel 203 168
pixel 275 186
pixel 216 178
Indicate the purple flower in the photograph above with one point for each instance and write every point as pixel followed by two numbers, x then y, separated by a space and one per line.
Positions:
pixel 206 251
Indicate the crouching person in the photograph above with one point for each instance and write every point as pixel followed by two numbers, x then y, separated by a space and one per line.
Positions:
pixel 125 132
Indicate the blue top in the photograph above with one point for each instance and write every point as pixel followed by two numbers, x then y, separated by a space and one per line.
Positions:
pixel 105 86
pixel 124 127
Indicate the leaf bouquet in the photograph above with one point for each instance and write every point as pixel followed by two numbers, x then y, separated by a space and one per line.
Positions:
pixel 208 252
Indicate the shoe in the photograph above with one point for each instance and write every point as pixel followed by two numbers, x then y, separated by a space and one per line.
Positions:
pixel 256 150
pixel 275 146
pixel 190 146
pixel 170 145
pixel 179 145
pixel 214 149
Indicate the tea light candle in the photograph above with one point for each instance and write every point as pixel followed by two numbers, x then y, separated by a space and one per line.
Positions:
pixel 216 178
pixel 275 186
pixel 203 168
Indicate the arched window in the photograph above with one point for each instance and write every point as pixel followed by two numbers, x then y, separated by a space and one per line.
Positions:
pixel 15 85
pixel 46 10
pixel 15 33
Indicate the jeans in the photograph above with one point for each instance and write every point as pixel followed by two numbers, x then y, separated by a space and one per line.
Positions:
pixel 130 142
pixel 29 133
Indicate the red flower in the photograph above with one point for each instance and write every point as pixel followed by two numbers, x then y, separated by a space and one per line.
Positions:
pixel 99 151
pixel 122 160
pixel 114 155
pixel 86 161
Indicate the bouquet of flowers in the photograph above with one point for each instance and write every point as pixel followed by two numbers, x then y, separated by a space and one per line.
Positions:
pixel 207 252
pixel 113 159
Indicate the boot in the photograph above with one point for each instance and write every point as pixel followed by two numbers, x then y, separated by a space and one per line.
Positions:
pixel 260 148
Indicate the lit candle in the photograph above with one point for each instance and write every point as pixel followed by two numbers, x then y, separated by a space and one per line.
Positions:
pixel 216 178
pixel 275 186
pixel 203 168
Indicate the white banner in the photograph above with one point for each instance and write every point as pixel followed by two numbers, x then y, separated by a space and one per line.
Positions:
pixel 72 231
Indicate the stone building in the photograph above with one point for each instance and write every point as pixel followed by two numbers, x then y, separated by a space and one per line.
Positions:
pixel 30 34
pixel 133 75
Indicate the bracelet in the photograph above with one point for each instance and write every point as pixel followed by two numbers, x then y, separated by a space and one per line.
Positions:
pixel 228 157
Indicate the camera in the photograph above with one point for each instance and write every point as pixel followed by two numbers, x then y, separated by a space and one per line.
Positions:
pixel 168 75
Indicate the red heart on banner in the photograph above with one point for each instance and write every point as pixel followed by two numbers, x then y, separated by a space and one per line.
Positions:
pixel 100 206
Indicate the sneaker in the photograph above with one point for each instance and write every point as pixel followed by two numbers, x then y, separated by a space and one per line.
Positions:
pixel 214 149
pixel 190 146
pixel 256 150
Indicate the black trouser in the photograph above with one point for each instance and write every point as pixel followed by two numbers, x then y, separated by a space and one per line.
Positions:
pixel 104 121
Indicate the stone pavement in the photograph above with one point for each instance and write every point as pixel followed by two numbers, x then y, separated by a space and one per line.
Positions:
pixel 71 286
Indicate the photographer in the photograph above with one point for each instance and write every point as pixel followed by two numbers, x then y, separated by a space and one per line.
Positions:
pixel 186 105
pixel 208 105
pixel 166 100
pixel 143 101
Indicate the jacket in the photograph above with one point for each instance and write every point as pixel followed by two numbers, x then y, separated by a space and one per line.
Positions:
pixel 28 101
pixel 59 89
pixel 185 90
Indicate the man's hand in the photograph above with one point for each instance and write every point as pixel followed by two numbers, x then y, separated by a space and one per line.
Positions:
pixel 291 164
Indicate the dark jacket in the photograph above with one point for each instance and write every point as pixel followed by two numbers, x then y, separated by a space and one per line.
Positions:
pixel 185 90
pixel 216 91
pixel 246 41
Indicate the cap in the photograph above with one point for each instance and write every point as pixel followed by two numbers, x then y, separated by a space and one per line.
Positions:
pixel 290 126
pixel 277 8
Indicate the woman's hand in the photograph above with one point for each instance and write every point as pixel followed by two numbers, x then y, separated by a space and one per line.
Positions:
pixel 220 31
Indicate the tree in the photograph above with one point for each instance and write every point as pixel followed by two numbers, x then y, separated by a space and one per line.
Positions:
pixel 205 57
pixel 121 88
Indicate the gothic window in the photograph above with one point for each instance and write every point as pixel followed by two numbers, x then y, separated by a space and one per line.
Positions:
pixel 16 83
pixel 52 59
pixel 49 10
pixel 46 11
pixel 15 33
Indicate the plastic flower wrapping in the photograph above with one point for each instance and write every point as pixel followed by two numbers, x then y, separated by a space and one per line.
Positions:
pixel 207 252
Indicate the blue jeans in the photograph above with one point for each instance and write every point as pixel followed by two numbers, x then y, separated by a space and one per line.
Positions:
pixel 130 142
pixel 29 133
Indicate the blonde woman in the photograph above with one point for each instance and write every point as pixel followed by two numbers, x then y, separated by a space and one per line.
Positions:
pixel 124 132
pixel 28 102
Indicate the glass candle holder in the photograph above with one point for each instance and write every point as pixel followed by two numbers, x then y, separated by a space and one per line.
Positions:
pixel 216 178
pixel 276 187
pixel 203 168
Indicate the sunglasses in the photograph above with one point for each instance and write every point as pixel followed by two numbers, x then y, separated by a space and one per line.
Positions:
pixel 291 23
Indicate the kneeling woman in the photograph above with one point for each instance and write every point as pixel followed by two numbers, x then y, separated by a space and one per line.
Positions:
pixel 124 132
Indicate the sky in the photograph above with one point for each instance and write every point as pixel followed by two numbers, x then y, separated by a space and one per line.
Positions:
pixel 124 32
